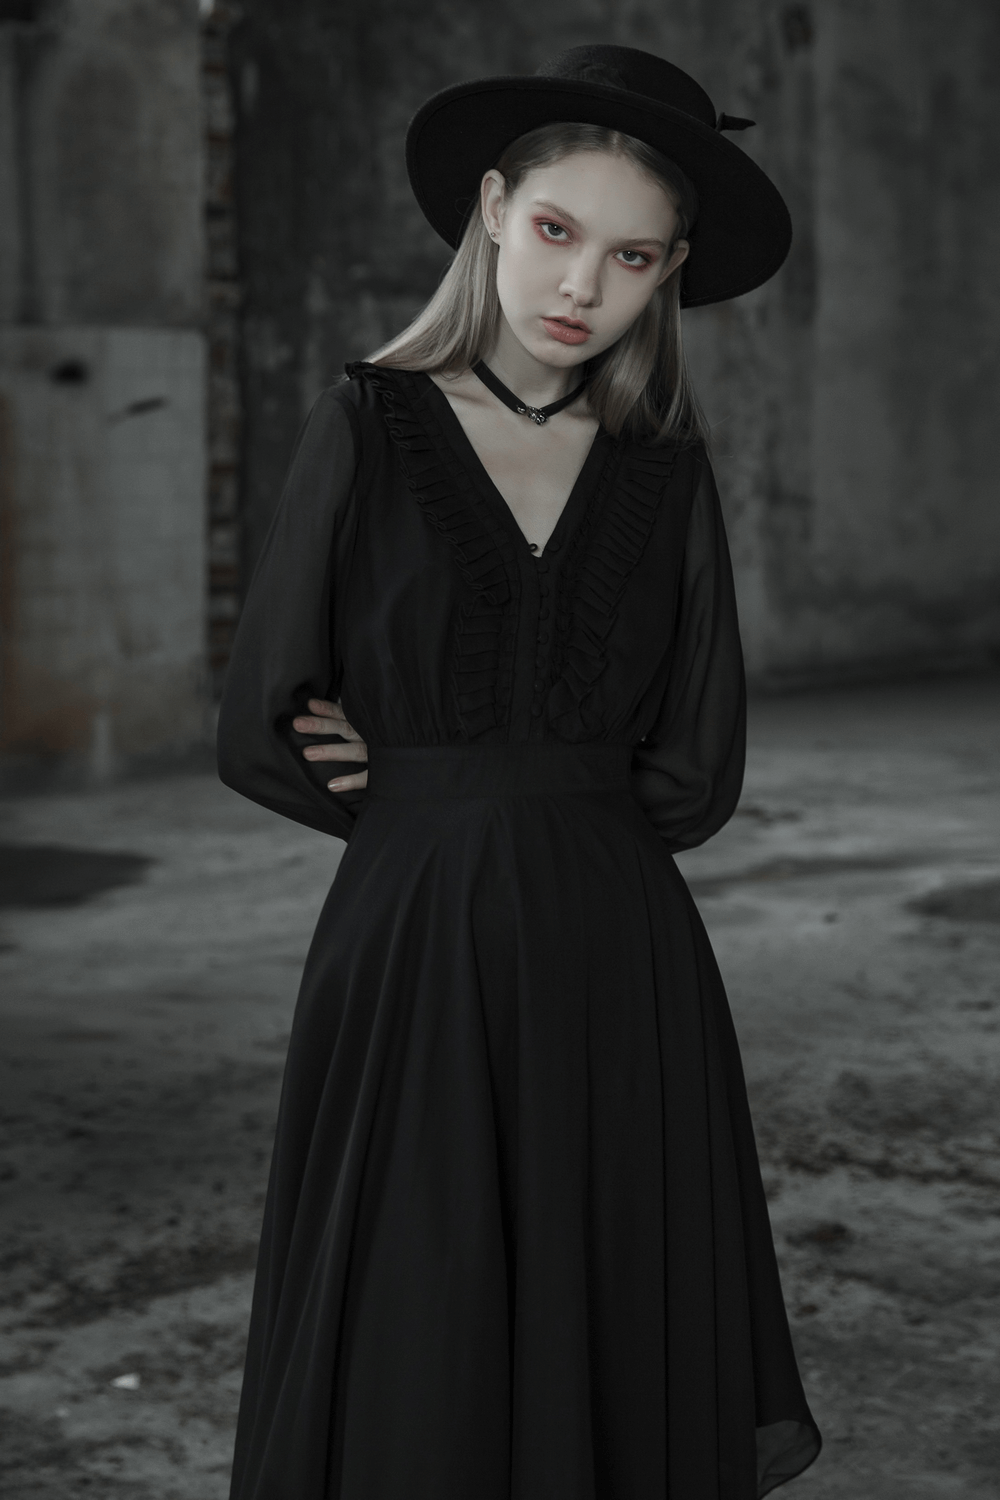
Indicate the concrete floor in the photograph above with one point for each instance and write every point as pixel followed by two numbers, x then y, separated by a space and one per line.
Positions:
pixel 855 906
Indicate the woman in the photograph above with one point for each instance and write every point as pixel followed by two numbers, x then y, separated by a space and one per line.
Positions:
pixel 515 1243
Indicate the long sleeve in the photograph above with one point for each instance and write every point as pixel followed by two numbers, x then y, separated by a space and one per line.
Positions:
pixel 284 651
pixel 687 772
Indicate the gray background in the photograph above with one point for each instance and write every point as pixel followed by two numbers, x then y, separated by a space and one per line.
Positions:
pixel 203 214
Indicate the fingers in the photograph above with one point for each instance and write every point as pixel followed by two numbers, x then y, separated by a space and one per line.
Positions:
pixel 325 718
pixel 354 750
pixel 348 783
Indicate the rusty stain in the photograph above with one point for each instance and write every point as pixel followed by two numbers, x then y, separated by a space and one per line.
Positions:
pixel 38 713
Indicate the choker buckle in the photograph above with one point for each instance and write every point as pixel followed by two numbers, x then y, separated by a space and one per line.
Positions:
pixel 534 412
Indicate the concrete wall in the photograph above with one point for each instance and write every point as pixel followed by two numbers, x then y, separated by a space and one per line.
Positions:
pixel 853 397
pixel 856 398
pixel 103 469
pixel 102 617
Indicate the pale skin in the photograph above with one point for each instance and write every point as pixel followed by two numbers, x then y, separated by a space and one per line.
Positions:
pixel 584 241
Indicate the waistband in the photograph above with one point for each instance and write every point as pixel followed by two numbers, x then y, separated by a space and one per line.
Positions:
pixel 540 770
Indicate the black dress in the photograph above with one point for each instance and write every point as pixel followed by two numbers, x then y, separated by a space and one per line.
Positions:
pixel 515 1245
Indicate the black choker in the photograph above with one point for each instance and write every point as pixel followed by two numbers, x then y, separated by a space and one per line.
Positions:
pixel 538 414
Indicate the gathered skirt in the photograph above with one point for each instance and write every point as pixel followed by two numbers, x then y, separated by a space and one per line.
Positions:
pixel 515 1245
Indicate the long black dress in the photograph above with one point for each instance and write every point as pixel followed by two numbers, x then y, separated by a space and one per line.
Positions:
pixel 515 1245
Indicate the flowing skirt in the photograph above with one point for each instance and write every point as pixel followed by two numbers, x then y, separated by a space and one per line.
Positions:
pixel 516 1245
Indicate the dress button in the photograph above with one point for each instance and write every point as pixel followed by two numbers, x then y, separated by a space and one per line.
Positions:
pixel 544 612
pixel 543 636
pixel 536 709
pixel 539 684
pixel 543 565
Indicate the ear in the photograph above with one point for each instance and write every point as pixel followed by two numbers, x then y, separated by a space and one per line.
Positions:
pixel 678 256
pixel 491 195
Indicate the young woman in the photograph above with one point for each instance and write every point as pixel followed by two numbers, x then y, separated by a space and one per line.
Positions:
pixel 516 1245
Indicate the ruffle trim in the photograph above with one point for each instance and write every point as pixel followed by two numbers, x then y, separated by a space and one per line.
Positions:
pixel 485 632
pixel 604 554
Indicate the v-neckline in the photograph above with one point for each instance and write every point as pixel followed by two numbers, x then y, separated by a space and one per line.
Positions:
pixel 575 504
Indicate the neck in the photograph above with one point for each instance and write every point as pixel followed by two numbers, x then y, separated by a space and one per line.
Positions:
pixel 526 376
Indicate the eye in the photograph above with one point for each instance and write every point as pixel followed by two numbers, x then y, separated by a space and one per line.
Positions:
pixel 636 258
pixel 552 231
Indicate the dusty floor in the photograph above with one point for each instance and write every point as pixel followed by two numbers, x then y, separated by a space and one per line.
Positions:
pixel 855 906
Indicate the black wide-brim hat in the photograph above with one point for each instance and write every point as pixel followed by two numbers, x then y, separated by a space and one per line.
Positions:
pixel 743 230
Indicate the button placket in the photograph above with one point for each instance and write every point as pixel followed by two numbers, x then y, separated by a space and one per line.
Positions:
pixel 543 635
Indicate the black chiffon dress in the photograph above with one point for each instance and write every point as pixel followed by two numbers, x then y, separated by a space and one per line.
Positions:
pixel 515 1244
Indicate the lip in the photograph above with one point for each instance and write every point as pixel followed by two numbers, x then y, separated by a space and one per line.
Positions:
pixel 566 330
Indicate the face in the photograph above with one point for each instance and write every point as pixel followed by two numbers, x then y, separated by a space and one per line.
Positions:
pixel 583 245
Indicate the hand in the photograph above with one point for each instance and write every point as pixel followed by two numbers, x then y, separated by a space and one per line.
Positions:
pixel 329 719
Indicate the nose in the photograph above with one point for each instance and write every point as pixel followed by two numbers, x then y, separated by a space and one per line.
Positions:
pixel 581 281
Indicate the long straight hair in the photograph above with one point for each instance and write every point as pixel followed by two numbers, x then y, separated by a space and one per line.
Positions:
pixel 640 386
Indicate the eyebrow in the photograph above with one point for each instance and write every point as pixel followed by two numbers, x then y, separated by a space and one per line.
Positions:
pixel 562 213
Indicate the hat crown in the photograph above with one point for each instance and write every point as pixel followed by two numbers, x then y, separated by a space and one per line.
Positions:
pixel 743 229
pixel 635 72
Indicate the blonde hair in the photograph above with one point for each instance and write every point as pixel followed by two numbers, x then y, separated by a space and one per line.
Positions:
pixel 640 386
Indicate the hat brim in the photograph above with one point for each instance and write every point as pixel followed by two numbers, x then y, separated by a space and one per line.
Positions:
pixel 743 231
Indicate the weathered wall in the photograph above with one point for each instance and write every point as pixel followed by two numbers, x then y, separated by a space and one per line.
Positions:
pixel 111 154
pixel 102 617
pixel 101 378
pixel 853 397
pixel 856 397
